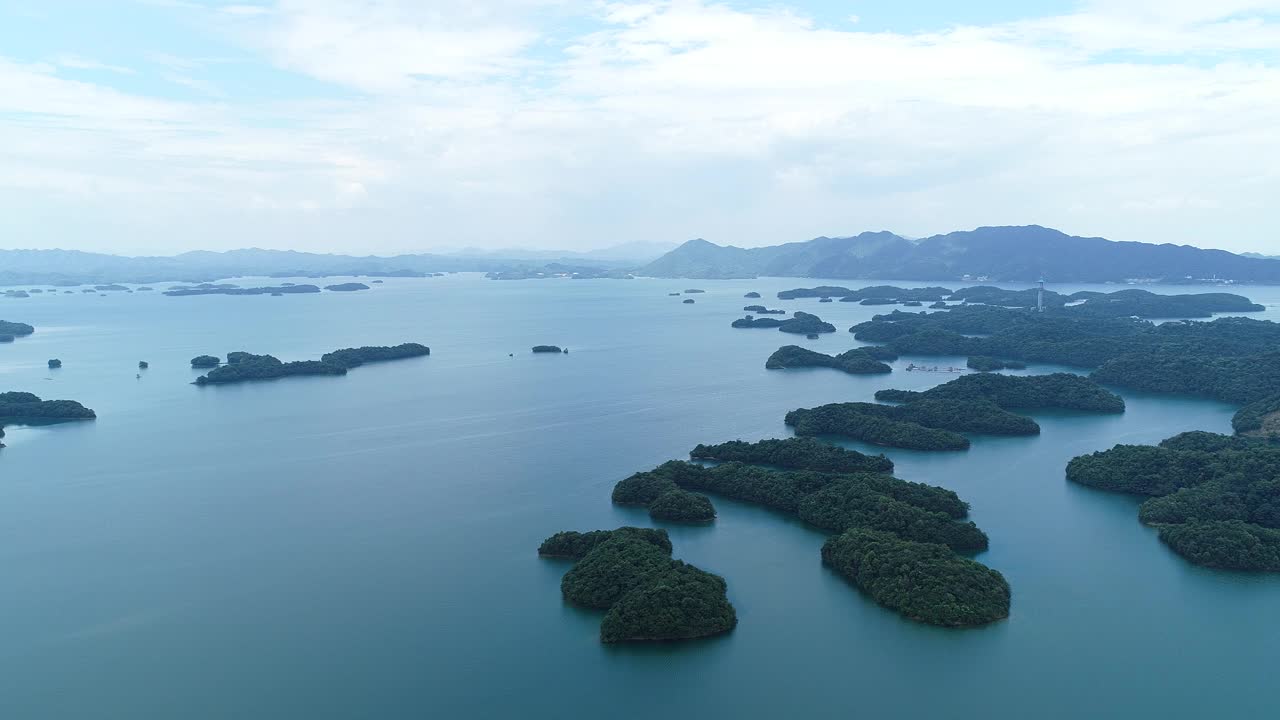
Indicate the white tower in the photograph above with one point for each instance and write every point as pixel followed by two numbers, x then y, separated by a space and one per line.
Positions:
pixel 1040 296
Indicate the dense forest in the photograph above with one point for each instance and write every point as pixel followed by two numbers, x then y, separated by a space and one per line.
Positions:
pixel 649 596
pixel 243 366
pixel 922 581
pixel 24 408
pixel 1215 498
pixel 857 361
pixel 924 422
pixel 797 453
pixel 803 323
pixel 1231 359
pixel 1064 391
pixel 11 330
pixel 751 321
pixel 664 497
pixel 918 526
pixel 355 357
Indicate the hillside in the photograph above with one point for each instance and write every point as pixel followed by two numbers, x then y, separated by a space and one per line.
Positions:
pixel 1022 253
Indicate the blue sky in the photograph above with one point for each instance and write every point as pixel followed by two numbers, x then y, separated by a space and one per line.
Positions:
pixel 157 126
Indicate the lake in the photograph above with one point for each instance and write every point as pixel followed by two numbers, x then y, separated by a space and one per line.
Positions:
pixel 364 546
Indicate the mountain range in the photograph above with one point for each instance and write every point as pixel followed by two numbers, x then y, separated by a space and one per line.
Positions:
pixel 1005 253
pixel 74 267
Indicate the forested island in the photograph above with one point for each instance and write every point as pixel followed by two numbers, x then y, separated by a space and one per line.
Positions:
pixel 346 287
pixel 355 357
pixel 205 361
pixel 911 568
pixel 796 453
pixel 24 408
pixel 664 498
pixel 925 582
pixel 755 322
pixel 887 293
pixel 1215 498
pixel 225 289
pixel 858 361
pixel 243 366
pixel 1061 391
pixel 762 310
pixel 648 596
pixel 11 330
pixel 547 349
pixel 803 323
pixel 1231 359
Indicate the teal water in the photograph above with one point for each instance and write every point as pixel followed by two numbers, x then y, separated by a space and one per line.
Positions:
pixel 365 546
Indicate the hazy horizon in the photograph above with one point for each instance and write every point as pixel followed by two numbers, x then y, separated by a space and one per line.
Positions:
pixel 153 127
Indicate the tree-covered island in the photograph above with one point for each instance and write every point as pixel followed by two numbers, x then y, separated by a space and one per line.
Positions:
pixel 243 366
pixel 648 596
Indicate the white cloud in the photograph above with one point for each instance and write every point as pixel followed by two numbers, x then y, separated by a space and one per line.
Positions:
pixel 490 123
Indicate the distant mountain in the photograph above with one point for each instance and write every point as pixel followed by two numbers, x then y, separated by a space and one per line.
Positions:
pixel 1260 256
pixel 632 253
pixel 1023 253
pixel 73 267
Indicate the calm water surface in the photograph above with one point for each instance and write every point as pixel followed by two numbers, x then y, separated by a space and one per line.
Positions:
pixel 365 546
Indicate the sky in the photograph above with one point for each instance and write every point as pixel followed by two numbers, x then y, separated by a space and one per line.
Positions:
pixel 380 126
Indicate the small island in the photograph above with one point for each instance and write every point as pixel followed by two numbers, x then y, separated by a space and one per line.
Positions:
pixel 762 310
pixel 752 294
pixel 11 330
pixel 243 366
pixel 796 453
pixel 355 357
pixel 54 363
pixel 24 408
pixel 1062 391
pixel 803 323
pixel 143 364
pixel 925 582
pixel 346 287
pixel 858 361
pixel 233 290
pixel 755 322
pixel 648 596
pixel 205 361
pixel 688 301
pixel 693 291
pixel 547 349
pixel 682 506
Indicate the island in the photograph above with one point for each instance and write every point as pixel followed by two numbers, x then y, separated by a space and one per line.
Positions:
pixel 762 310
pixel 243 366
pixel 24 408
pixel 648 596
pixel 11 330
pixel 54 363
pixel 925 582
pixel 682 506
pixel 796 453
pixel 355 357
pixel 1214 498
pixel 205 361
pixel 232 290
pixel 803 323
pixel 694 291
pixel 688 301
pixel 143 364
pixel 665 499
pixel 755 322
pixel 857 361
pixel 873 424
pixel 1232 359
pixel 1062 391
pixel 885 294
pixel 547 349
pixel 752 294
pixel 346 287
